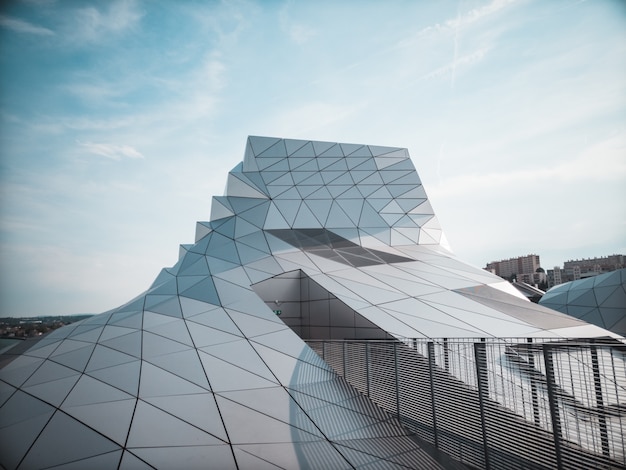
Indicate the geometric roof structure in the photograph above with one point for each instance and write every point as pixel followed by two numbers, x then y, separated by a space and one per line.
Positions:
pixel 600 300
pixel 311 240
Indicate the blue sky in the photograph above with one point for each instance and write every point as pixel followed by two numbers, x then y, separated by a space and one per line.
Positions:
pixel 120 120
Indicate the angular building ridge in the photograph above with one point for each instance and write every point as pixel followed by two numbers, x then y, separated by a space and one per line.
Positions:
pixel 311 240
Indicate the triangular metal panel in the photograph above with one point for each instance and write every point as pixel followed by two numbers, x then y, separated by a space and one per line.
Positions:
pixel 294 146
pixel 260 144
pixel 276 150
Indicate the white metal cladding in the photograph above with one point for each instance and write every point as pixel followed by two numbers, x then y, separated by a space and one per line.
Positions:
pixel 600 300
pixel 200 369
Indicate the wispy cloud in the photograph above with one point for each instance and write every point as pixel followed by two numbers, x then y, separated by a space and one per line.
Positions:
pixel 460 21
pixel 21 26
pixel 477 14
pixel 92 24
pixel 300 33
pixel 451 67
pixel 112 151
pixel 603 161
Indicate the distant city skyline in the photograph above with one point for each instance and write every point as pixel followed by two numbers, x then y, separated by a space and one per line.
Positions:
pixel 120 120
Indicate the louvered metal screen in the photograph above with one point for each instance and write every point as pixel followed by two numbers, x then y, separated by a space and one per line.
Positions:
pixel 498 404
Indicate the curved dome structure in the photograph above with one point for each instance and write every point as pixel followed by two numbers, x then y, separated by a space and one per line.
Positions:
pixel 310 240
pixel 600 300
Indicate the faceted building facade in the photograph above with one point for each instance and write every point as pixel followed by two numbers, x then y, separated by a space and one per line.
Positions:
pixel 600 300
pixel 209 366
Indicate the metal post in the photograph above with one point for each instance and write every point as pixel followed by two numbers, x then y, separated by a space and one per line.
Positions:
pixel 367 367
pixel 533 384
pixel 480 356
pixel 554 407
pixel 604 435
pixel 446 360
pixel 431 365
pixel 343 354
pixel 395 362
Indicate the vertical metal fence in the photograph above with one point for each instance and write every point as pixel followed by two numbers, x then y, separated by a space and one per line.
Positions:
pixel 498 404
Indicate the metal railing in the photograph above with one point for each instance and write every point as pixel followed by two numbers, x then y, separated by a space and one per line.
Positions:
pixel 505 403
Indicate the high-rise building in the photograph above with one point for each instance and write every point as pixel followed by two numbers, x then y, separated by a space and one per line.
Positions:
pixel 522 265
pixel 596 265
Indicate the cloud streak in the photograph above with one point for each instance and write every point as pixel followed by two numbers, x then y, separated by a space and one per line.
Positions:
pixel 111 151
pixel 93 24
pixel 603 161
pixel 21 26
